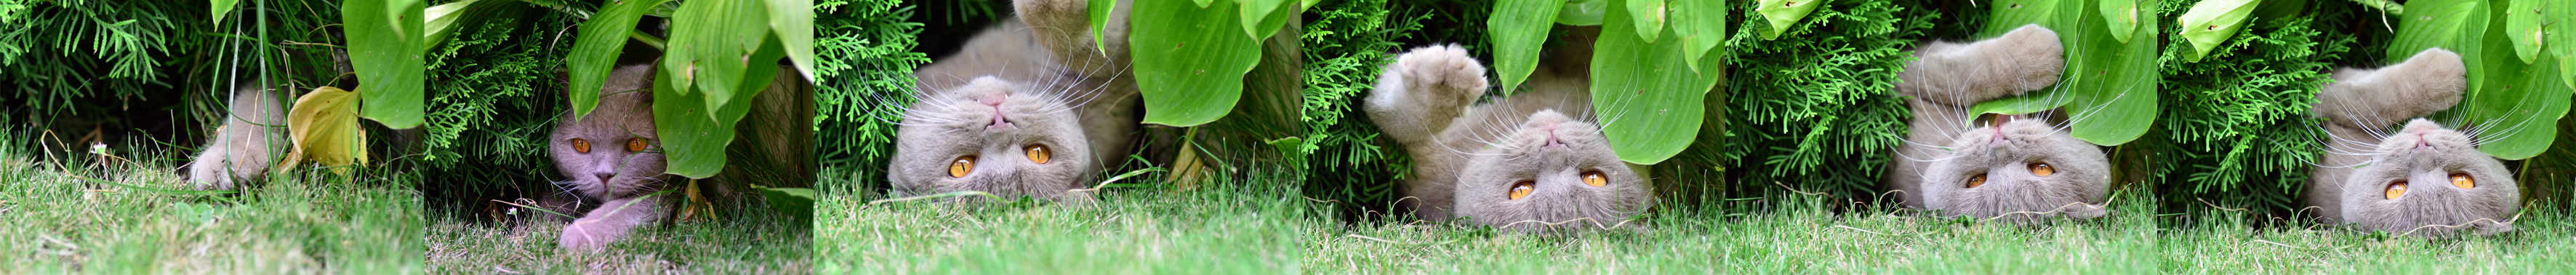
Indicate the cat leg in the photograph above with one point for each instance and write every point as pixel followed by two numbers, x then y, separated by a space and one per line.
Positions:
pixel 1423 91
pixel 1063 26
pixel 613 221
pixel 247 144
pixel 2026 59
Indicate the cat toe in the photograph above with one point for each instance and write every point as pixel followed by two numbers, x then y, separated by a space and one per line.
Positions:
pixel 2044 57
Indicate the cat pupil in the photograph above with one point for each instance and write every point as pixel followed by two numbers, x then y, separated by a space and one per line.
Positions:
pixel 635 145
pixel 2463 181
pixel 2042 169
pixel 580 145
pixel 963 165
pixel 1038 153
pixel 1594 178
pixel 2396 188
pixel 1973 182
pixel 1522 189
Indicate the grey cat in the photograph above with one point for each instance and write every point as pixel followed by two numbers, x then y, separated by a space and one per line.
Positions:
pixel 1519 162
pixel 614 156
pixel 2014 167
pixel 1029 108
pixel 2368 177
pixel 253 135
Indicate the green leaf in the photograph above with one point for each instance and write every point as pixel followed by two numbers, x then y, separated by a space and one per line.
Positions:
pixel 1518 28
pixel 1583 12
pixel 1262 17
pixel 1189 60
pixel 385 49
pixel 1701 25
pixel 711 46
pixel 2212 21
pixel 1099 11
pixel 2522 28
pixel 793 20
pixel 1650 105
pixel 2123 17
pixel 1783 13
pixel 324 126
pixel 2519 107
pixel 223 6
pixel 1649 16
pixel 595 49
pixel 2034 102
pixel 2109 87
pixel 796 202
pixel 2562 39
pixel 693 136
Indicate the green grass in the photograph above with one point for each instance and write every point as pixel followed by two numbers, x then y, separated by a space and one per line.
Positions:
pixel 2224 242
pixel 298 222
pixel 760 241
pixel 1128 231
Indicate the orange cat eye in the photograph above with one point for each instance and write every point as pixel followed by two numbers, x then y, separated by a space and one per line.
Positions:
pixel 1595 179
pixel 580 145
pixel 1522 189
pixel 2463 181
pixel 1974 181
pixel 2397 188
pixel 963 165
pixel 635 145
pixel 2042 169
pixel 1039 153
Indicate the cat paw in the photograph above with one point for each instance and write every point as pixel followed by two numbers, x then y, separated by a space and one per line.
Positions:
pixel 578 236
pixel 208 172
pixel 1444 74
pixel 2433 79
pixel 2037 57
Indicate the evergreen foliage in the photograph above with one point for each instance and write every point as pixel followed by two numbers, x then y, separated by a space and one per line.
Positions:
pixel 2238 122
pixel 865 71
pixel 1816 110
pixel 1348 42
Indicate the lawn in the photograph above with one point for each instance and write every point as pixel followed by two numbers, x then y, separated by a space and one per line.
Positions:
pixel 758 241
pixel 60 221
pixel 1247 230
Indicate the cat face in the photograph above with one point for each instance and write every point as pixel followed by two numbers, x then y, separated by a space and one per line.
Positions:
pixel 614 152
pixel 993 136
pixel 2427 179
pixel 2020 171
pixel 1552 169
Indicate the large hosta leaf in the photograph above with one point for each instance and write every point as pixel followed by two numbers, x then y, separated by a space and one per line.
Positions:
pixel 1701 25
pixel 2123 16
pixel 324 126
pixel 693 135
pixel 2522 28
pixel 2109 88
pixel 1649 103
pixel 595 49
pixel 385 47
pixel 1518 28
pixel 1189 60
pixel 711 48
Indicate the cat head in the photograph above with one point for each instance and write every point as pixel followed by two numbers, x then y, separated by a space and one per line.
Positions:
pixel 614 152
pixel 1008 139
pixel 2430 180
pixel 2020 170
pixel 1553 172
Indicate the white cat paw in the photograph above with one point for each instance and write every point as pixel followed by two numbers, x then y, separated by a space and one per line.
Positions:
pixel 2039 57
pixel 1445 72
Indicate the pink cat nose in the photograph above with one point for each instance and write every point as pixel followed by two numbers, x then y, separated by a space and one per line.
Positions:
pixel 604 177
pixel 2421 144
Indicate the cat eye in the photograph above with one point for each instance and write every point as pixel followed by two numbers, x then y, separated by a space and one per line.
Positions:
pixel 963 165
pixel 635 145
pixel 580 145
pixel 2041 169
pixel 2463 181
pixel 1974 181
pixel 2396 188
pixel 1522 189
pixel 1595 179
pixel 1039 153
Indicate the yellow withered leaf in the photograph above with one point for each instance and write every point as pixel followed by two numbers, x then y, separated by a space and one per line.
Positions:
pixel 324 126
